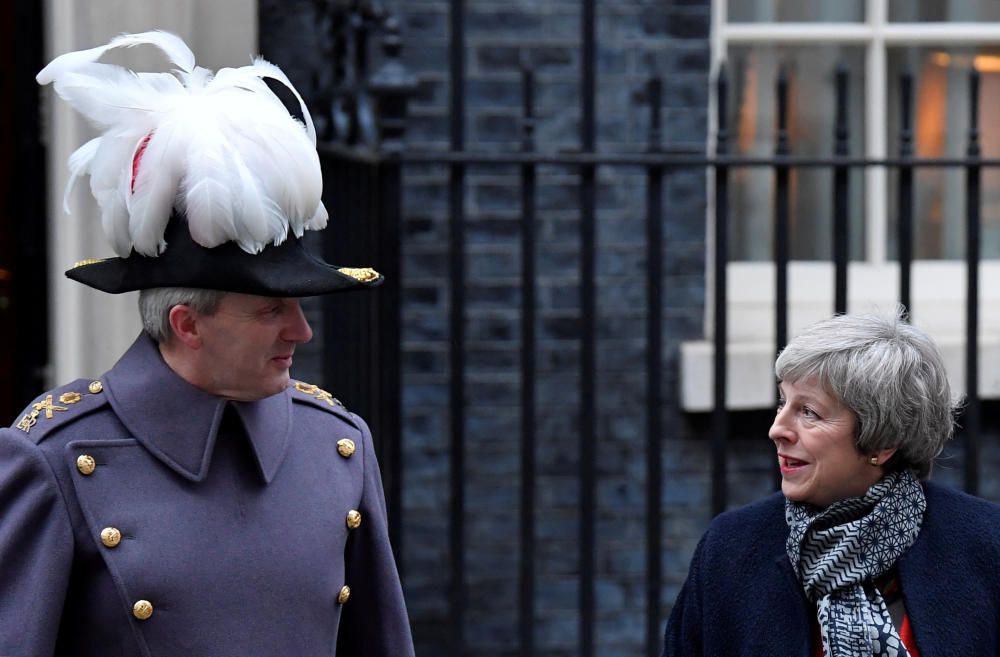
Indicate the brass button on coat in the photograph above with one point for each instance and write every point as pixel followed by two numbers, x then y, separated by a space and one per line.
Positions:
pixel 86 464
pixel 142 609
pixel 353 519
pixel 345 446
pixel 345 594
pixel 111 537
pixel 95 387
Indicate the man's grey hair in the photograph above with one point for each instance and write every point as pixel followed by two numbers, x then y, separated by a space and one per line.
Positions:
pixel 155 305
pixel 889 373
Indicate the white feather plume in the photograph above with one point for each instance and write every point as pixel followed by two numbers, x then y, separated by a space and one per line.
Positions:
pixel 171 44
pixel 79 164
pixel 220 148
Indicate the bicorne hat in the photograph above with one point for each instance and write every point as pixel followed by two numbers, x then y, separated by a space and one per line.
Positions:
pixel 203 180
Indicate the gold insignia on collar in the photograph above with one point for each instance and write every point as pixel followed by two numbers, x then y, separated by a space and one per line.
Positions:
pixel 363 274
pixel 69 398
pixel 307 388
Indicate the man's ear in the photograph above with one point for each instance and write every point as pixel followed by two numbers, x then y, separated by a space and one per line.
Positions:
pixel 184 325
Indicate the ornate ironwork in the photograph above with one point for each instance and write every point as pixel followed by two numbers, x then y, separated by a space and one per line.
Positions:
pixel 354 105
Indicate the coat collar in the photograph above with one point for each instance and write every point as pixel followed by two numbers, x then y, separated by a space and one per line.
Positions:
pixel 934 580
pixel 178 422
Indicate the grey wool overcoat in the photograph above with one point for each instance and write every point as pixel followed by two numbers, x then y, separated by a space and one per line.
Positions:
pixel 142 517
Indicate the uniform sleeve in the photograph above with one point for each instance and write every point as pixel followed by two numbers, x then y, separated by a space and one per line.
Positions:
pixel 374 622
pixel 36 550
pixel 684 628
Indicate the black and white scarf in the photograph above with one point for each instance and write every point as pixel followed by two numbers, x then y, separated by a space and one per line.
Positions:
pixel 837 553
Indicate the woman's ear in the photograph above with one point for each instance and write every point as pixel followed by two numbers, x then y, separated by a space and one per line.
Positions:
pixel 881 457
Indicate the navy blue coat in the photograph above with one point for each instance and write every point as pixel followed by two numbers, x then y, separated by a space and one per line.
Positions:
pixel 742 597
pixel 231 518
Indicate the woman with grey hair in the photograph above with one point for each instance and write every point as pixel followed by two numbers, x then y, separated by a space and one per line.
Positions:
pixel 859 554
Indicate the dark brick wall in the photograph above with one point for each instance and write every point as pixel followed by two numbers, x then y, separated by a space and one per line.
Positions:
pixel 636 39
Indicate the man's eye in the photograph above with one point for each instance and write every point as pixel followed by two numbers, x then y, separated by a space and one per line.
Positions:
pixel 271 311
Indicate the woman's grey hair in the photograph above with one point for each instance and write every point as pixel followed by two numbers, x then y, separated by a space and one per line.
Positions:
pixel 155 305
pixel 889 373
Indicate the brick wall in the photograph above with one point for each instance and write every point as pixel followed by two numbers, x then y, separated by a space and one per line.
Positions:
pixel 635 40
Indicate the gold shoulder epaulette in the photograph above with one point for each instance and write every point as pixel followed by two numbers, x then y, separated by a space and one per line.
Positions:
pixel 55 406
pixel 319 398
pixel 316 393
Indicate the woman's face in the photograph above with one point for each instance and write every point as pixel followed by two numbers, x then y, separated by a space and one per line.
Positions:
pixel 814 435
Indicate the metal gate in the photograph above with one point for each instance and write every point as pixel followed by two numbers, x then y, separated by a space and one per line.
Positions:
pixel 365 117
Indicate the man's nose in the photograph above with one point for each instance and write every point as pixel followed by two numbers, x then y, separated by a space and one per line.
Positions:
pixel 297 329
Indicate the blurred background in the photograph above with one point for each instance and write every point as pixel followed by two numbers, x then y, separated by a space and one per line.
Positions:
pixel 599 221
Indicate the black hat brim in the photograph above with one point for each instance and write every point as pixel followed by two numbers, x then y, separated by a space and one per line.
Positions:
pixel 285 270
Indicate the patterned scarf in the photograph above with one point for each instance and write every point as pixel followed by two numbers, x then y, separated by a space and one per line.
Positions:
pixel 837 553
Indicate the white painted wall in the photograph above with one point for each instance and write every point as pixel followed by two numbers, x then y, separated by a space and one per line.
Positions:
pixel 90 329
pixel 938 291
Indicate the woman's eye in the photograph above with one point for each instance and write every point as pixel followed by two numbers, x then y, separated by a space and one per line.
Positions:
pixel 808 412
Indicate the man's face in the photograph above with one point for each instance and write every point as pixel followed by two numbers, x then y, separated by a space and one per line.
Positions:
pixel 247 345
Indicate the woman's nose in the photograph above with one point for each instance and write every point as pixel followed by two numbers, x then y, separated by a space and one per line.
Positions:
pixel 780 429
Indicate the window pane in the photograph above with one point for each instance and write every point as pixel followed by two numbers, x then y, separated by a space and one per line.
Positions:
pixel 940 129
pixel 932 11
pixel 795 11
pixel 811 113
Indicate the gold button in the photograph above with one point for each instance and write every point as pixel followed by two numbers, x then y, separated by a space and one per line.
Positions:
pixel 86 464
pixel 111 537
pixel 346 447
pixel 353 519
pixel 345 594
pixel 142 609
pixel 95 387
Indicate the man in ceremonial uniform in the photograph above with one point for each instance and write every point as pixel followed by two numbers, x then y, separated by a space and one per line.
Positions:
pixel 194 501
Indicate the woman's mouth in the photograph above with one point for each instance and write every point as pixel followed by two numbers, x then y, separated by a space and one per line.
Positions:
pixel 789 465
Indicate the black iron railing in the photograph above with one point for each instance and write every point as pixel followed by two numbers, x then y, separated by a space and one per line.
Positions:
pixel 660 164
pixel 375 161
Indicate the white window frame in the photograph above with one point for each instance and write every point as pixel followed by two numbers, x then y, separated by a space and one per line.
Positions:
pixel 938 286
